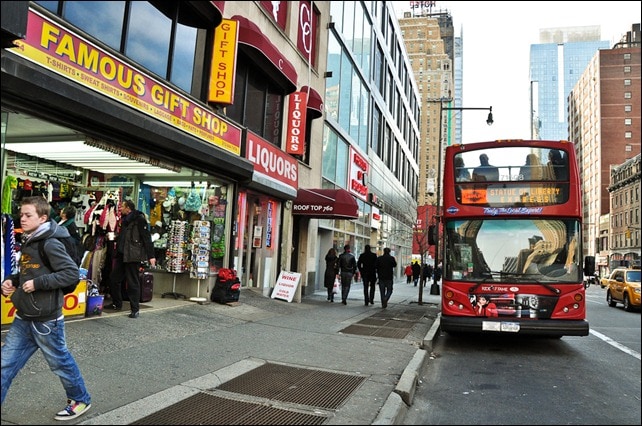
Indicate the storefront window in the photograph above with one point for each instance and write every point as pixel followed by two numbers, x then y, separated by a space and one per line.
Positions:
pixel 187 210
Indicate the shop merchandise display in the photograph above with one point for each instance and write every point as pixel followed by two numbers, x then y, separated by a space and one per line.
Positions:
pixel 177 256
pixel 200 243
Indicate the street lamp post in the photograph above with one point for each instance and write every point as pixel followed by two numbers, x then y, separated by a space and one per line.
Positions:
pixel 442 108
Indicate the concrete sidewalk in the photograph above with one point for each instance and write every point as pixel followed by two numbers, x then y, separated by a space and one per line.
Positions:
pixel 176 350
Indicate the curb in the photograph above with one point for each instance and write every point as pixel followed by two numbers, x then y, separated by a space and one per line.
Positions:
pixel 396 406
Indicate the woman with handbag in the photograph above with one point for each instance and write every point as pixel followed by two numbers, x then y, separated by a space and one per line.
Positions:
pixel 331 271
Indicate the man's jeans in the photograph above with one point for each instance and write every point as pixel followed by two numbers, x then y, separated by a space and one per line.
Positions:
pixel 385 288
pixel 22 341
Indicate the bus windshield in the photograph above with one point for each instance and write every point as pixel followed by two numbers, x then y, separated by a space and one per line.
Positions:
pixel 513 250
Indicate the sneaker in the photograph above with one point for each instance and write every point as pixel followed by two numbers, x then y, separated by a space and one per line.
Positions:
pixel 72 410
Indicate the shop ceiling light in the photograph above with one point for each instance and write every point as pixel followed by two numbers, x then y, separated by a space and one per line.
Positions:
pixel 78 154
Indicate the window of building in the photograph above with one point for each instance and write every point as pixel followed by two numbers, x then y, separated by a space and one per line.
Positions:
pixel 376 129
pixel 627 69
pixel 627 121
pixel 627 56
pixel 258 101
pixel 627 108
pixel 378 69
pixel 159 36
pixel 627 82
pixel 627 95
pixel 628 135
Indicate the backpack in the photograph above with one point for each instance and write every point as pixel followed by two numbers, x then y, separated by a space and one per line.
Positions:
pixel 72 246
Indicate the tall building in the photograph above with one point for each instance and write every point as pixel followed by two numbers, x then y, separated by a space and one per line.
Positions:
pixel 371 130
pixel 432 49
pixel 604 123
pixel 556 63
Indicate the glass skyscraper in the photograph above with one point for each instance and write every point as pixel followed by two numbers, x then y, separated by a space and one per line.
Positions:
pixel 556 64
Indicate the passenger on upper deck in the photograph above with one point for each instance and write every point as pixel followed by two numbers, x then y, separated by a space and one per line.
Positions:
pixel 557 165
pixel 461 172
pixel 532 170
pixel 485 172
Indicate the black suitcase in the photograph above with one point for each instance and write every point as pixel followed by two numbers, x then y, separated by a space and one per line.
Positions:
pixel 146 287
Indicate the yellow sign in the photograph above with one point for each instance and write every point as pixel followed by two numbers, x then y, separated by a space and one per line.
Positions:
pixel 223 71
pixel 71 56
pixel 75 304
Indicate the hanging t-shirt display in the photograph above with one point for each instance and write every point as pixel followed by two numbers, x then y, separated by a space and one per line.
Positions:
pixel 200 243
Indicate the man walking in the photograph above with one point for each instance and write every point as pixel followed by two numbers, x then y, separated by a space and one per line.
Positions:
pixel 37 295
pixel 347 268
pixel 366 265
pixel 385 265
pixel 416 272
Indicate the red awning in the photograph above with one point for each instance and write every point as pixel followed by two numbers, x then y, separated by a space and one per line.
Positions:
pixel 325 204
pixel 265 53
pixel 315 103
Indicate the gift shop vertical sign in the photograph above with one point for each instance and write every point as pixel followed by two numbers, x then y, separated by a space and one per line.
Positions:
pixel 358 174
pixel 222 76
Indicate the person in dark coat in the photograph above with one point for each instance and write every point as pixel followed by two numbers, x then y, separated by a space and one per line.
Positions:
pixel 436 274
pixel 331 271
pixel 68 220
pixel 385 266
pixel 366 265
pixel 134 246
pixel 426 274
pixel 347 268
pixel 416 272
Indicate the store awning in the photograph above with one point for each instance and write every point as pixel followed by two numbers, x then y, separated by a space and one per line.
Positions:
pixel 315 103
pixel 266 54
pixel 325 204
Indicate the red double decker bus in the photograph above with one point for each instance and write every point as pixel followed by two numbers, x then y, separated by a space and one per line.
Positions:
pixel 512 243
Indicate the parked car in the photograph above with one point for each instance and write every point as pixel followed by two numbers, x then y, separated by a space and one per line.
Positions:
pixel 623 286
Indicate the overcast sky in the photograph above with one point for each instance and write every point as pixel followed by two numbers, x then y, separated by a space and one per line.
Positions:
pixel 497 38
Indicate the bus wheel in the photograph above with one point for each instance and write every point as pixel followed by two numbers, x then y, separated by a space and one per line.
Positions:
pixel 610 300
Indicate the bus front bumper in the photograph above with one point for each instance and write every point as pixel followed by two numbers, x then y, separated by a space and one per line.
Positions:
pixel 538 327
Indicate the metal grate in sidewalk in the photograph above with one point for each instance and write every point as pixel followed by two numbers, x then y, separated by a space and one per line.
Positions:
pixel 283 395
pixel 394 323
pixel 206 409
pixel 295 385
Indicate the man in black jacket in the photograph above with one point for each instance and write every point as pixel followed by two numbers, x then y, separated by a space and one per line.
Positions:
pixel 347 268
pixel 366 265
pixel 385 265
pixel 134 245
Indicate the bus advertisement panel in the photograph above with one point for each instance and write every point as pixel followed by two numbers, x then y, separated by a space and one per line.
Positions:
pixel 512 219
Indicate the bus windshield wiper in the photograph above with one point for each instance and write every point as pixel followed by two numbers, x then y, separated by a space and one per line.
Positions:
pixel 484 281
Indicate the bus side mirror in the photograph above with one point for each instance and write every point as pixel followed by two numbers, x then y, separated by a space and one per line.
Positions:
pixel 432 235
pixel 589 266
